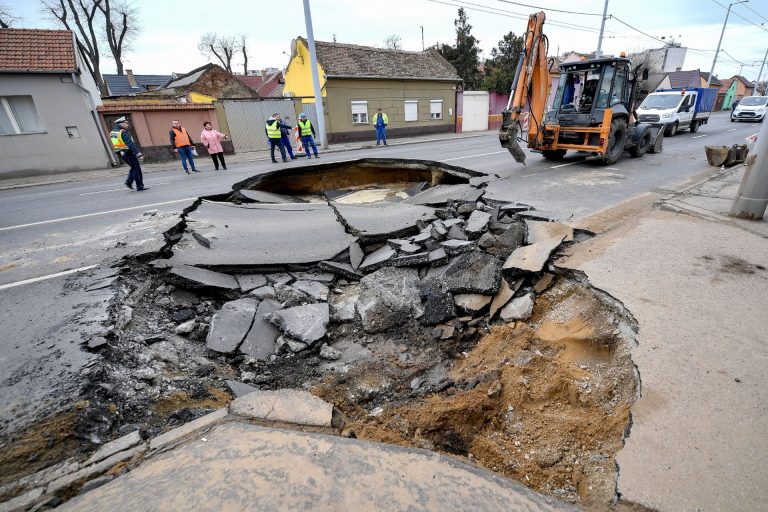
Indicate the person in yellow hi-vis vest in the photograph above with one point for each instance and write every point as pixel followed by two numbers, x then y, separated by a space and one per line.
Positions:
pixel 380 121
pixel 275 136
pixel 307 132
pixel 124 146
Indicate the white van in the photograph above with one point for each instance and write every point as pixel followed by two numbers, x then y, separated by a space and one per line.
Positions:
pixel 677 109
pixel 751 108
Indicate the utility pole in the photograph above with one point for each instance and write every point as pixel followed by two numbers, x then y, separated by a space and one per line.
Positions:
pixel 315 78
pixel 752 198
pixel 760 74
pixel 714 61
pixel 599 53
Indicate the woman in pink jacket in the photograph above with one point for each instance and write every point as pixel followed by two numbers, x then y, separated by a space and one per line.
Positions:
pixel 212 140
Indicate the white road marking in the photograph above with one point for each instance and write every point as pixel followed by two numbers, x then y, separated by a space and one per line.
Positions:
pixel 613 168
pixel 44 278
pixel 730 130
pixel 96 214
pixel 472 156
pixel 118 189
pixel 564 165
pixel 698 136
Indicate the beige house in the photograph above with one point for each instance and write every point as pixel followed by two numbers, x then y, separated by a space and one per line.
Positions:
pixel 417 90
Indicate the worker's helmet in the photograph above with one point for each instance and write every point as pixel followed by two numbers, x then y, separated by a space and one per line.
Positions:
pixel 302 115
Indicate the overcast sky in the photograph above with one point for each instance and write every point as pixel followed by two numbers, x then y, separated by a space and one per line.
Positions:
pixel 170 30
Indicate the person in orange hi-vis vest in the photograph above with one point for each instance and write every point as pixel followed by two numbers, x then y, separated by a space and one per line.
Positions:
pixel 182 143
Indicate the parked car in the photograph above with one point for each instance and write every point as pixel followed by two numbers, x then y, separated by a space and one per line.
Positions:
pixel 751 108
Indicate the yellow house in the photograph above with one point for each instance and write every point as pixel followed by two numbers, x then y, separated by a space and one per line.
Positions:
pixel 417 90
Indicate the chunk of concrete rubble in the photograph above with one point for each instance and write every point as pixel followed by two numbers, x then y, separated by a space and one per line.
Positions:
pixel 202 278
pixel 382 220
pixel 356 255
pixel 326 278
pixel 441 194
pixel 505 293
pixel 113 447
pixel 239 388
pixel 340 269
pixel 438 230
pixel 261 339
pixel 472 303
pixel 422 237
pixel 250 282
pixel 344 305
pixel 477 223
pixel 513 236
pixel 289 296
pixel 532 258
pixel 230 325
pixel 438 305
pixel 312 289
pixel 284 406
pixel 518 309
pixel 259 196
pixel 443 332
pixel 202 240
pixel 437 257
pixel 544 282
pixel 514 207
pixel 97 342
pixel 186 327
pixel 411 260
pixel 329 353
pixel 410 248
pixel 265 292
pixel 456 247
pixel 379 258
pixel 178 433
pixel 457 233
pixel 474 272
pixel 279 278
pixel 306 323
pixel 486 240
pixel 387 296
pixel 539 231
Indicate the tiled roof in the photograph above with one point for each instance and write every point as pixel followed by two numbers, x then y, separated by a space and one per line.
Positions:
pixel 366 62
pixel 252 81
pixel 119 86
pixel 743 80
pixel 682 79
pixel 715 81
pixel 189 78
pixel 37 51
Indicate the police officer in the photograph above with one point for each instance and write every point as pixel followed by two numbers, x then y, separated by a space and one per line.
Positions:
pixel 306 132
pixel 274 135
pixel 130 154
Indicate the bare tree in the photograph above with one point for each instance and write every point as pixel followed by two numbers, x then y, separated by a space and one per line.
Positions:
pixel 82 15
pixel 221 47
pixel 7 16
pixel 243 47
pixel 393 42
pixel 120 27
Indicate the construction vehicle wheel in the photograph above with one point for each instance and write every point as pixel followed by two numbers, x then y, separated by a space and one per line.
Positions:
pixel 694 127
pixel 643 145
pixel 617 139
pixel 554 154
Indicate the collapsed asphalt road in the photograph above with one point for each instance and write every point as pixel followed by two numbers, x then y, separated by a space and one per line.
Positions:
pixel 427 315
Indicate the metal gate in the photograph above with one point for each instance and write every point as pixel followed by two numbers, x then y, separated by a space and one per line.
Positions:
pixel 475 115
pixel 246 120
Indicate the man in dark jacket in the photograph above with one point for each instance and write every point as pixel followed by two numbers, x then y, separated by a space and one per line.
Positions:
pixel 275 136
pixel 124 146
pixel 285 135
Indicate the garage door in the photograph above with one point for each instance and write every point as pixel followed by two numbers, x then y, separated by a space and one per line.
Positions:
pixel 475 116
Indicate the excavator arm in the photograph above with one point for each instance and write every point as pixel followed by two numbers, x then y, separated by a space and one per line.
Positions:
pixel 530 86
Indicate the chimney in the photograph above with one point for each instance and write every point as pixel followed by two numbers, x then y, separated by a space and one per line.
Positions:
pixel 131 79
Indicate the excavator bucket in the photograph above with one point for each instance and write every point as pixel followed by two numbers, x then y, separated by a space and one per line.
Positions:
pixel 508 137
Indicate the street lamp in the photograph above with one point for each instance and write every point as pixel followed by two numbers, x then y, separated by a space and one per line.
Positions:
pixel 709 79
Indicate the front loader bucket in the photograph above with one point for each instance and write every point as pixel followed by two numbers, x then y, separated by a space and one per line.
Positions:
pixel 508 137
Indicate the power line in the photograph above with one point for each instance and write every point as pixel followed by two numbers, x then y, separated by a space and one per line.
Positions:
pixel 551 9
pixel 754 11
pixel 740 16
pixel 636 29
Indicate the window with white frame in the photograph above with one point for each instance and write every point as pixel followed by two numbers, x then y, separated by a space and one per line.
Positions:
pixel 359 112
pixel 412 110
pixel 435 109
pixel 18 115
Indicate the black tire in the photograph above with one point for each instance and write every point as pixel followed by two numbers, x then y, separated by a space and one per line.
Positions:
pixel 694 126
pixel 671 130
pixel 554 154
pixel 643 145
pixel 733 120
pixel 617 139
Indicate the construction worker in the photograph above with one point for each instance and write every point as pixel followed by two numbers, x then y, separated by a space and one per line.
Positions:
pixel 307 132
pixel 380 121
pixel 275 137
pixel 129 153
pixel 182 143
pixel 285 135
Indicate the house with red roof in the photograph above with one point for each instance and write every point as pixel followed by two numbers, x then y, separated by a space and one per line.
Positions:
pixel 48 100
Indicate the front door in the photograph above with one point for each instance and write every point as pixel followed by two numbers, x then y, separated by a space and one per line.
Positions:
pixel 686 110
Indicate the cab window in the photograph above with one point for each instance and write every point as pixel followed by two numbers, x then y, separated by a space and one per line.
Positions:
pixel 605 88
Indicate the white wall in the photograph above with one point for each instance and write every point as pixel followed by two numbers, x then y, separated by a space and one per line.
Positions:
pixel 60 103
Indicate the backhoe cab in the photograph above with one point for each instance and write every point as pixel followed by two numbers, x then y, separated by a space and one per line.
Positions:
pixel 591 111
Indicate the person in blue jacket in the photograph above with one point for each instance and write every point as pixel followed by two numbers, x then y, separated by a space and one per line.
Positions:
pixel 380 121
pixel 124 146
pixel 285 135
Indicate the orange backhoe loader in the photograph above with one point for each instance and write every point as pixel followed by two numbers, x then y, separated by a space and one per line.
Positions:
pixel 592 112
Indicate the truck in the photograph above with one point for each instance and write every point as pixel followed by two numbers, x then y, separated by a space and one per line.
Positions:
pixel 677 109
pixel 593 109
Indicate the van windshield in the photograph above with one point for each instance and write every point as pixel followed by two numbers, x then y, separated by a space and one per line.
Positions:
pixel 661 101
pixel 754 101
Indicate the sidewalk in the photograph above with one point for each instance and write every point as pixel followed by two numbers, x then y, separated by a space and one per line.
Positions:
pixel 696 282
pixel 175 166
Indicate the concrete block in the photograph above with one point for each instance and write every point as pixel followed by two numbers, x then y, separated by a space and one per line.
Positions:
pixel 178 433
pixel 285 406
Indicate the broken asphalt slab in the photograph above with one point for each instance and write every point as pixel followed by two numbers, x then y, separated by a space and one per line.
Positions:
pixel 285 406
pixel 230 325
pixel 202 278
pixel 306 323
pixel 382 220
pixel 442 194
pixel 388 296
pixel 261 339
